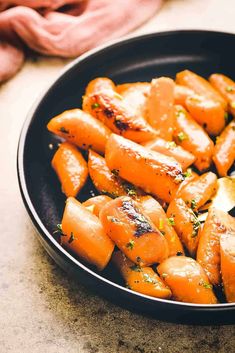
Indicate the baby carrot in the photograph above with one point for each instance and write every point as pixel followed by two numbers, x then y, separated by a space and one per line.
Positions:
pixel 96 203
pixel 226 87
pixel 99 84
pixel 181 93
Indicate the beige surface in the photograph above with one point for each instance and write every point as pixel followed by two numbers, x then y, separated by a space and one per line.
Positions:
pixel 41 310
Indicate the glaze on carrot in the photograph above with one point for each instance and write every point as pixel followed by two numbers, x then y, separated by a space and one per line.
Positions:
pixel 96 203
pixel 226 87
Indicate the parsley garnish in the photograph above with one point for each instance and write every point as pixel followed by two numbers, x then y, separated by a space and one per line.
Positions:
pixel 130 244
pixel 205 285
pixel 171 145
pixel 72 238
pixel 188 173
pixel 229 88
pixel 148 279
pixel 59 229
pixel 182 136
pixel 226 117
pixel 161 224
pixel 113 219
pixel 95 105
pixel 136 268
pixel 171 221
pixel 193 204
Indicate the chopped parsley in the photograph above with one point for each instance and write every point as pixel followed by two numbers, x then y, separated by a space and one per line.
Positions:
pixel 136 268
pixel 182 136
pixel 193 204
pixel 95 105
pixel 58 229
pixel 148 279
pixel 188 173
pixel 171 145
pixel 129 189
pixel 205 285
pixel 230 88
pixel 164 275
pixel 161 224
pixel 226 117
pixel 171 221
pixel 130 245
pixel 113 219
pixel 72 238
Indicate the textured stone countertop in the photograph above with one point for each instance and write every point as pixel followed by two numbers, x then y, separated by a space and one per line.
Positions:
pixel 41 309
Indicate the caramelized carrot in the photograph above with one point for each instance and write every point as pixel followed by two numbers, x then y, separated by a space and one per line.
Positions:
pixel 187 280
pixel 96 203
pixel 160 112
pixel 181 93
pixel 85 239
pixel 199 191
pixel 189 175
pixel 133 232
pixel 81 129
pixel 155 173
pixel 207 113
pixel 200 86
pixel 186 224
pixel 193 138
pixel 99 84
pixel 155 212
pixel 71 168
pixel 169 148
pixel 224 152
pixel 226 87
pixel 140 279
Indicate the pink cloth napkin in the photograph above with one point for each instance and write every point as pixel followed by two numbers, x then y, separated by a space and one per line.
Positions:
pixel 65 28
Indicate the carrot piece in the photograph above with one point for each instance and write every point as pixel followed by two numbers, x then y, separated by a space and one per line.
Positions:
pixel 160 111
pixel 140 279
pixel 155 212
pixel 207 113
pixel 107 181
pixel 226 87
pixel 187 280
pixel 189 175
pixel 85 239
pixel 71 168
pixel 208 253
pixel 96 203
pixel 109 108
pixel 224 151
pixel 133 232
pixel 169 148
pixel 200 86
pixel 186 224
pixel 227 253
pixel 181 93
pixel 193 138
pixel 99 84
pixel 154 172
pixel 199 191
pixel 81 129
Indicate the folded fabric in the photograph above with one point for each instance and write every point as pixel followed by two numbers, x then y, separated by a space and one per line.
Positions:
pixel 65 28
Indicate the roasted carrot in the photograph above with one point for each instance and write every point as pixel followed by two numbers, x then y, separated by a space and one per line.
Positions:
pixel 224 152
pixel 169 148
pixel 187 280
pixel 226 87
pixel 140 279
pixel 99 84
pixel 81 129
pixel 96 203
pixel 154 172
pixel 160 111
pixel 133 232
pixel 200 86
pixel 193 138
pixel 71 168
pixel 189 175
pixel 186 224
pixel 181 93
pixel 155 212
pixel 85 239
pixel 207 113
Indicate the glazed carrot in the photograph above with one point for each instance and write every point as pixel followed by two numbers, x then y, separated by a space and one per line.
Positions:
pixel 181 93
pixel 193 138
pixel 81 129
pixel 207 113
pixel 224 152
pixel 154 172
pixel 199 191
pixel 189 175
pixel 227 253
pixel 200 86
pixel 169 148
pixel 84 236
pixel 160 112
pixel 186 224
pixel 71 168
pixel 109 108
pixel 155 212
pixel 99 84
pixel 140 279
pixel 107 181
pixel 124 88
pixel 187 280
pixel 133 232
pixel 96 203
pixel 208 253
pixel 226 87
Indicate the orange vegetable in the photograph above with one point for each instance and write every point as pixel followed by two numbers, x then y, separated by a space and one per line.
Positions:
pixel 81 129
pixel 86 239
pixel 186 224
pixel 190 175
pixel 140 279
pixel 226 87
pixel 99 84
pixel 169 148
pixel 133 232
pixel 160 111
pixel 155 173
pixel 96 203
pixel 181 93
pixel 200 86
pixel 207 113
pixel 199 191
pixel 187 280
pixel 155 212
pixel 71 168
pixel 224 152
pixel 208 253
pixel 193 138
